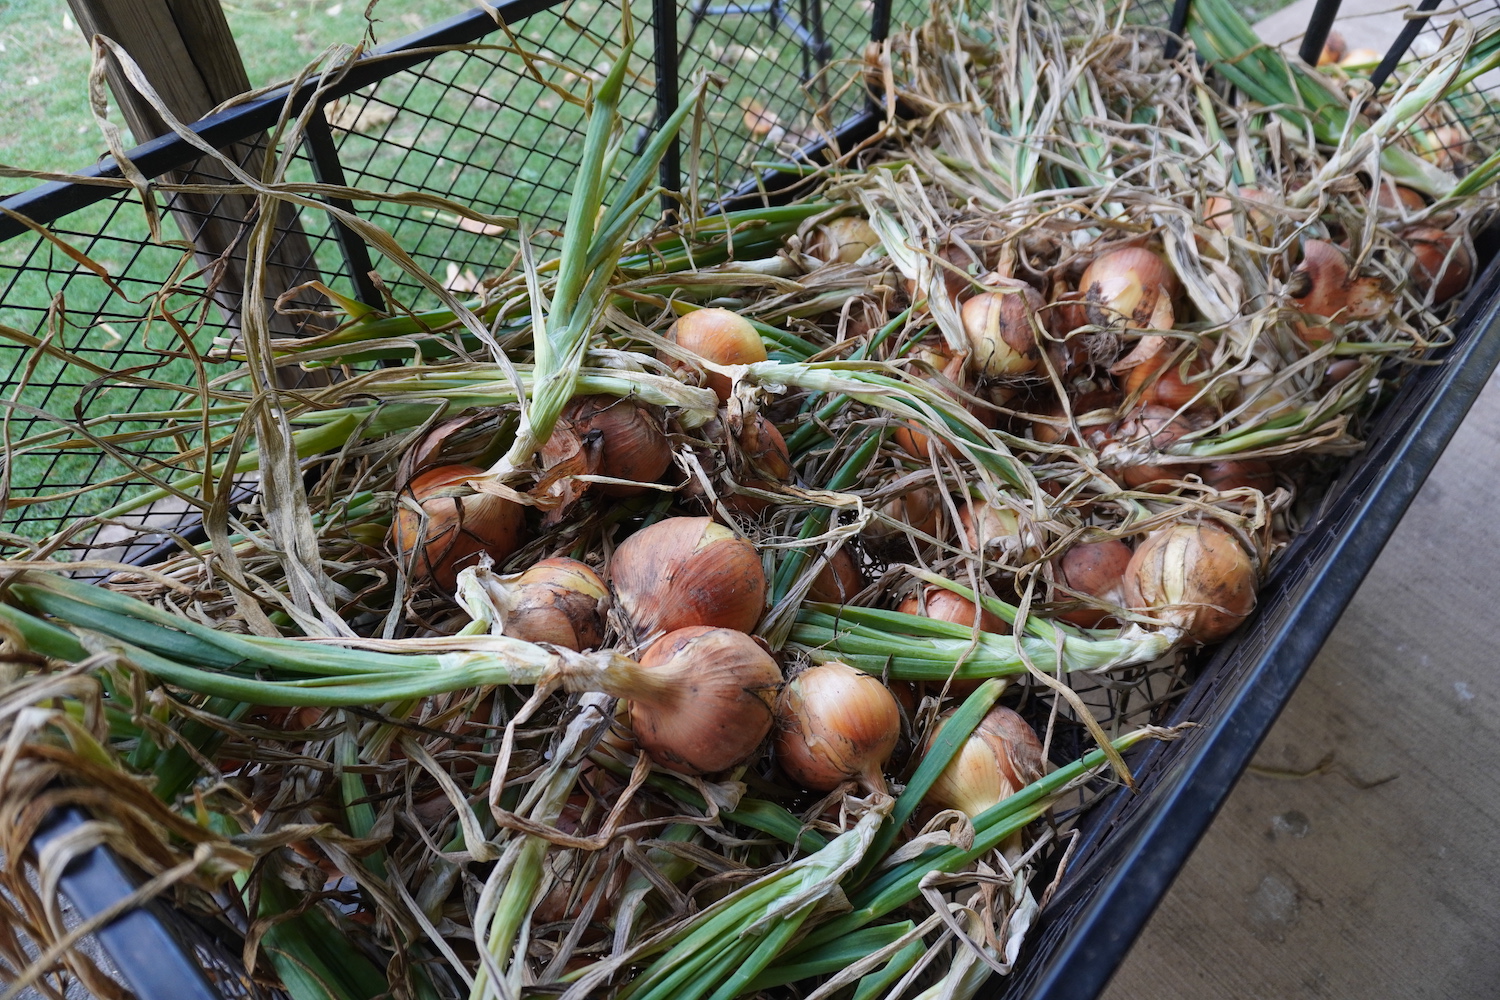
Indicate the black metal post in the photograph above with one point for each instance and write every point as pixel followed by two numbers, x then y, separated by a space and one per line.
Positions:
pixel 880 21
pixel 1318 27
pixel 1177 27
pixel 664 25
pixel 317 142
pixel 1402 43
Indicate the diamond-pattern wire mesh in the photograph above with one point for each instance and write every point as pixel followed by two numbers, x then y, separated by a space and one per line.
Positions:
pixel 1464 129
pixel 479 125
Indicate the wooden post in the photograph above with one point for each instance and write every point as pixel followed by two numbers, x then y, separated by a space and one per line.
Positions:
pixel 187 52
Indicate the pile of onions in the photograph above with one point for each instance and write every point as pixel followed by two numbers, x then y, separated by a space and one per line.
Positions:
pixel 1098 570
pixel 558 601
pixel 608 436
pixel 720 336
pixel 686 571
pixel 1197 577
pixel 838 581
pixel 1001 757
pixel 842 241
pixel 1442 266
pixel 1130 284
pixel 836 724
pixel 452 531
pixel 1147 428
pixel 705 699
pixel 1000 326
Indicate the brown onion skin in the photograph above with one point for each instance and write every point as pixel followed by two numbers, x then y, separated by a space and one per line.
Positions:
pixel 770 464
pixel 1167 388
pixel 630 443
pixel 1157 427
pixel 957 283
pixel 918 508
pixel 1130 283
pixel 910 436
pixel 1433 271
pixel 838 581
pixel 559 601
pixel 1340 370
pixel 835 724
pixel 1047 432
pixel 1395 196
pixel 720 336
pixel 1002 340
pixel 1195 576
pixel 1241 474
pixel 1096 569
pixel 720 705
pixel 687 571
pixel 1003 753
pixel 946 606
pixel 457 529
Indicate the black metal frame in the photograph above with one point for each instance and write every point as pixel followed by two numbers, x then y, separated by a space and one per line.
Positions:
pixel 1133 844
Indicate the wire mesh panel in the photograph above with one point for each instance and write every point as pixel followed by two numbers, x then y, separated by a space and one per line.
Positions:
pixel 1465 128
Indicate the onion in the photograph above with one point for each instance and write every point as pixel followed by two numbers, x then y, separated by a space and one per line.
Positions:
pixel 956 280
pixel 1218 211
pixel 1090 409
pixel 1333 50
pixel 835 724
pixel 1000 758
pixel 709 702
pixel 456 529
pixel 996 533
pixel 1361 58
pixel 766 461
pixel 946 606
pixel 1340 370
pixel 1194 576
pixel 842 241
pixel 838 581
pixel 720 336
pixel 1394 196
pixel 999 325
pixel 558 601
pixel 919 508
pixel 1067 312
pixel 1132 284
pixel 608 436
pixel 1168 388
pixel 910 436
pixel 1322 285
pixel 1098 570
pixel 1434 270
pixel 1146 429
pixel 1233 475
pixel 688 571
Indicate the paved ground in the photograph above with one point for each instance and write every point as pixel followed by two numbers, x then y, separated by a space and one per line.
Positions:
pixel 1379 877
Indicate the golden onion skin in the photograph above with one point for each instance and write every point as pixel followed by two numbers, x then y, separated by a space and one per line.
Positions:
pixel 687 571
pixel 1197 577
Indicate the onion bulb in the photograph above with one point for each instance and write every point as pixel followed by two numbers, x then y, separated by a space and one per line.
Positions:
pixel 456 529
pixel 1156 370
pixel 841 241
pixel 1394 196
pixel 1233 475
pixel 708 701
pixel 1435 270
pixel 1001 757
pixel 910 436
pixel 760 462
pixel 1333 50
pixel 1197 577
pixel 687 571
pixel 999 325
pixel 918 508
pixel 1323 285
pixel 995 532
pixel 835 724
pixel 838 581
pixel 1144 430
pixel 957 280
pixel 946 606
pixel 1091 409
pixel 720 336
pixel 608 436
pixel 1218 211
pixel 558 601
pixel 1130 284
pixel 1098 570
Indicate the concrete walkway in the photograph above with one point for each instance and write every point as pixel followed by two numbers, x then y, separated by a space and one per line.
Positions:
pixel 1377 876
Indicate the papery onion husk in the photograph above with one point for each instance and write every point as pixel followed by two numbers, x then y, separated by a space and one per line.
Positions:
pixel 759 460
pixel 996 533
pixel 1156 369
pixel 1322 285
pixel 1197 577
pixel 1130 285
pixel 836 724
pixel 609 436
pixel 712 699
pixel 1433 269
pixel 1143 430
pixel 910 436
pixel 841 241
pixel 957 280
pixel 1239 474
pixel 838 581
pixel 559 601
pixel 687 571
pixel 1000 326
pixel 720 336
pixel 1001 757
pixel 1218 212
pixel 1098 570
pixel 457 529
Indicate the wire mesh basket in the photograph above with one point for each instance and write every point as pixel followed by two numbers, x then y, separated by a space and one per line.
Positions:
pixel 471 110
